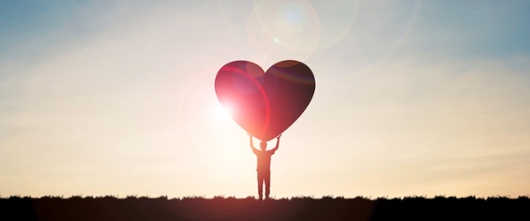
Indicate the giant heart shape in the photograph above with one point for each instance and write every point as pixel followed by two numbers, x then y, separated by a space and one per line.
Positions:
pixel 265 104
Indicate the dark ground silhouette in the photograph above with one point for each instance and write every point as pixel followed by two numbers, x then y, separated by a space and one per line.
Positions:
pixel 297 208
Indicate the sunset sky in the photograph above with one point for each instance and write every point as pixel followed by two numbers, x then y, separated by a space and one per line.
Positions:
pixel 413 98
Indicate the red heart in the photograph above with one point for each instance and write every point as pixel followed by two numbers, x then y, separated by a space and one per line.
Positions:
pixel 265 104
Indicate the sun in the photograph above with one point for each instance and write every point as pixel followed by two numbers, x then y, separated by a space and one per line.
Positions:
pixel 223 112
pixel 226 110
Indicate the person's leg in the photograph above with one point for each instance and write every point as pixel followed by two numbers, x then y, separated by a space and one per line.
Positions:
pixel 260 186
pixel 267 178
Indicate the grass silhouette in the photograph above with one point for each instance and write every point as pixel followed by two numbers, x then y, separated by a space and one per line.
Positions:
pixel 294 208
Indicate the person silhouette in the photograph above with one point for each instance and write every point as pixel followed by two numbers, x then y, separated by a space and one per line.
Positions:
pixel 264 165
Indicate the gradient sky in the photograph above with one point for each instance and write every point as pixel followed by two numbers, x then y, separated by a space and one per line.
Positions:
pixel 420 98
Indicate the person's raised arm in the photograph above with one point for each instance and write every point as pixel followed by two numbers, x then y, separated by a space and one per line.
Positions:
pixel 251 144
pixel 277 143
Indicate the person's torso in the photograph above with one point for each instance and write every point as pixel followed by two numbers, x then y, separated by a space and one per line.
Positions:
pixel 264 160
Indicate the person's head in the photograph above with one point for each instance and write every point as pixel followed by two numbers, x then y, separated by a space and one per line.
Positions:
pixel 263 145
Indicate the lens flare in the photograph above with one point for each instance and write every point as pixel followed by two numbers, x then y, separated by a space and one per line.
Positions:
pixel 283 29
pixel 287 29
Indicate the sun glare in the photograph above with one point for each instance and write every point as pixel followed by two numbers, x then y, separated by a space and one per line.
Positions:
pixel 223 112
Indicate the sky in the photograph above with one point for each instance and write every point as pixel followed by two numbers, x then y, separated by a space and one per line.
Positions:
pixel 413 98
